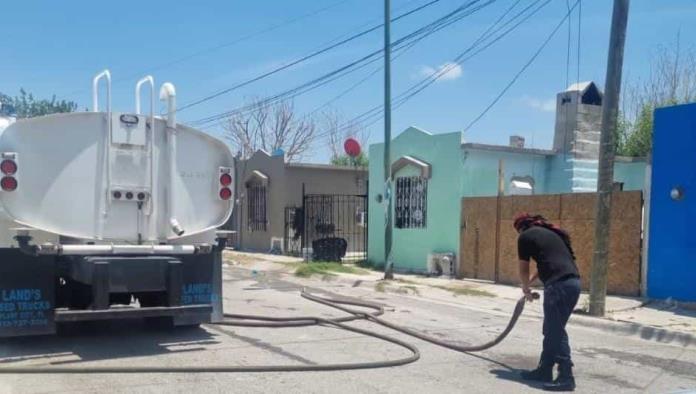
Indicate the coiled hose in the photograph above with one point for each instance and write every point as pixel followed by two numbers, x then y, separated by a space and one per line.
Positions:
pixel 300 321
pixel 519 308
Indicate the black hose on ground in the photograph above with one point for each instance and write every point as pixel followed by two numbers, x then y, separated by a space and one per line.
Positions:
pixel 278 322
pixel 256 321
pixel 519 308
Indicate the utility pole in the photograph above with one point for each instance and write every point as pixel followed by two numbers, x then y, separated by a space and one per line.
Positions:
pixel 389 264
pixel 605 183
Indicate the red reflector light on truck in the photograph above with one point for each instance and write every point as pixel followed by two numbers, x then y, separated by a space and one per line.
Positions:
pixel 225 179
pixel 225 193
pixel 8 184
pixel 8 167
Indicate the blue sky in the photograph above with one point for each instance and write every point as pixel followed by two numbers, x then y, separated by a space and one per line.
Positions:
pixel 51 47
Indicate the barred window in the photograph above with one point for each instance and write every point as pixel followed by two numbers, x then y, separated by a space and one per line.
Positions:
pixel 411 202
pixel 256 207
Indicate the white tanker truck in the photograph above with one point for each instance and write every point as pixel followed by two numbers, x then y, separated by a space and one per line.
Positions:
pixel 110 215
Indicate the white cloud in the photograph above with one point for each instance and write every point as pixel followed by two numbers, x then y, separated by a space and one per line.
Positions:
pixel 539 104
pixel 445 72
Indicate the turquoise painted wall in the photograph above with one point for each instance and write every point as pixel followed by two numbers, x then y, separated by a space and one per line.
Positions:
pixel 459 172
pixel 479 174
pixel 558 179
pixel 411 247
pixel 632 174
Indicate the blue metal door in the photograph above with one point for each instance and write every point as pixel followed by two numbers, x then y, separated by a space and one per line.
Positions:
pixel 672 245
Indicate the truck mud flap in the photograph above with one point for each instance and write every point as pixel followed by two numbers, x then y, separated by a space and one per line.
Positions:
pixel 27 294
pixel 202 284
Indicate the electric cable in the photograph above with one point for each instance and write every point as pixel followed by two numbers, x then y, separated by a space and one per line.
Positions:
pixel 303 58
pixel 522 70
pixel 237 40
pixel 373 115
pixel 417 35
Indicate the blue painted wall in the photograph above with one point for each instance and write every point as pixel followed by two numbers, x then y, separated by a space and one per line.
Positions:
pixel 459 171
pixel 479 173
pixel 672 249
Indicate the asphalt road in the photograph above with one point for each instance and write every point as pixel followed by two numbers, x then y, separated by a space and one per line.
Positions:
pixel 604 362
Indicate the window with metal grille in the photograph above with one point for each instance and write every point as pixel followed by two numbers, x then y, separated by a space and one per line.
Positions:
pixel 411 202
pixel 256 207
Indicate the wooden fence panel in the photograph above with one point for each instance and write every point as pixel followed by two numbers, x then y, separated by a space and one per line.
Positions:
pixel 478 239
pixel 575 213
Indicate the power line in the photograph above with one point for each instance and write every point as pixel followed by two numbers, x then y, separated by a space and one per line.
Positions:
pixel 304 58
pixel 471 52
pixel 376 111
pixel 570 31
pixel 402 43
pixel 523 69
pixel 461 58
pixel 215 48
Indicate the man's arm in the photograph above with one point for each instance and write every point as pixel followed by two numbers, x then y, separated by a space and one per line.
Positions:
pixel 524 277
pixel 524 252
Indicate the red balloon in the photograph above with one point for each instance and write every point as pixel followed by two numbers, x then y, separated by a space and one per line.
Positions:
pixel 352 147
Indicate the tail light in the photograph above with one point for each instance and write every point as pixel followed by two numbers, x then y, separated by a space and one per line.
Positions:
pixel 225 193
pixel 8 184
pixel 225 181
pixel 8 167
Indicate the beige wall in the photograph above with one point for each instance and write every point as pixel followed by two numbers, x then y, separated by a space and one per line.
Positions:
pixel 285 190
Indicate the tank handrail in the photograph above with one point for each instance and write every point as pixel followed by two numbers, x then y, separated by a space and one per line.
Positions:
pixel 95 90
pixel 151 81
pixel 104 201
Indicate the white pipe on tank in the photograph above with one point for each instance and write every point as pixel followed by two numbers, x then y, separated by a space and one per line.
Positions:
pixel 151 148
pixel 168 94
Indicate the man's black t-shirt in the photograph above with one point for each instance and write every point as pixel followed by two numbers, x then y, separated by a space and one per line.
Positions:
pixel 551 254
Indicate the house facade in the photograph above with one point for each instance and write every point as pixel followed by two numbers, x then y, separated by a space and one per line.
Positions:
pixel 270 192
pixel 432 173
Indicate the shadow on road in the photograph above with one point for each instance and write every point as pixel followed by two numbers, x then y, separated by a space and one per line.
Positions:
pixel 107 340
pixel 514 376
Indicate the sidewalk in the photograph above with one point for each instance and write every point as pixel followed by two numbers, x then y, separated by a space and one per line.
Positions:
pixel 660 321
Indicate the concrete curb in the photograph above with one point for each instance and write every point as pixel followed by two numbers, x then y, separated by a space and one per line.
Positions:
pixel 632 329
pixel 616 327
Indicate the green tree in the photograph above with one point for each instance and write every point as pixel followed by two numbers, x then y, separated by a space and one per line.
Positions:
pixel 27 106
pixel 345 160
pixel 337 131
pixel 672 80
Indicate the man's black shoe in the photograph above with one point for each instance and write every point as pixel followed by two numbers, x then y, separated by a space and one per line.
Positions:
pixel 541 374
pixel 561 384
pixel 565 380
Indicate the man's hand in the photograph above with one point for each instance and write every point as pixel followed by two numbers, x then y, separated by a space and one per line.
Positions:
pixel 528 293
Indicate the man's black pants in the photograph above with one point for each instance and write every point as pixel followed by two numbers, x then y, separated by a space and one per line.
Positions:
pixel 560 298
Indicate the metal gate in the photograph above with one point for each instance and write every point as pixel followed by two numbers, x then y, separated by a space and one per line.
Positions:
pixel 334 227
pixel 293 231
